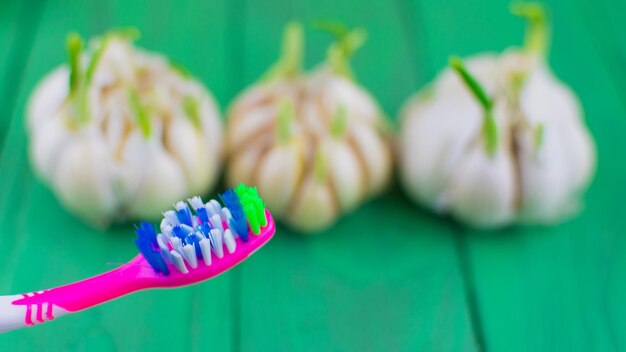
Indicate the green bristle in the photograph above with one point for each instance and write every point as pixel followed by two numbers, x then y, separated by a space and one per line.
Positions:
pixel 259 205
pixel 241 192
pixel 251 214
pixel 253 206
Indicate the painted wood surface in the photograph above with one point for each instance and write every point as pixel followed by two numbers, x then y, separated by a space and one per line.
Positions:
pixel 389 276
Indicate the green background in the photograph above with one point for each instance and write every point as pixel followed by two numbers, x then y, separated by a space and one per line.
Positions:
pixel 390 276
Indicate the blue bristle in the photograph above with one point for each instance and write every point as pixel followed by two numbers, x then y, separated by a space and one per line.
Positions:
pixel 203 215
pixel 147 244
pixel 239 222
pixel 146 231
pixel 193 240
pixel 179 232
pixel 184 216
pixel 206 228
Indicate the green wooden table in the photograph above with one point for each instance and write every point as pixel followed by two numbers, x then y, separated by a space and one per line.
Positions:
pixel 419 283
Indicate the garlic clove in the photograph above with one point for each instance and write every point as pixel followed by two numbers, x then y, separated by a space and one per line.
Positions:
pixel 314 208
pixel 185 143
pixel 314 119
pixel 482 190
pixel 163 181
pixel 374 154
pixel 279 175
pixel 82 180
pixel 129 166
pixel 251 125
pixel 50 132
pixel 345 174
pixel 242 166
pixel 360 106
pixel 432 147
pixel 49 142
pixel 580 154
pixel 545 98
pixel 545 176
pixel 48 96
pixel 118 61
pixel 212 128
pixel 262 94
pixel 555 169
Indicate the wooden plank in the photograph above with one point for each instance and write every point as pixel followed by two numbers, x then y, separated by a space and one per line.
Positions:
pixel 359 286
pixel 18 25
pixel 42 246
pixel 548 288
pixel 603 19
pixel 604 25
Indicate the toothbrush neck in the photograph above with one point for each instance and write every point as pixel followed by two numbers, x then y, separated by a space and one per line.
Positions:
pixel 93 291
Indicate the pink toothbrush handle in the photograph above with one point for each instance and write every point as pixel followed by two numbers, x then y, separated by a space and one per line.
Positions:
pixel 17 311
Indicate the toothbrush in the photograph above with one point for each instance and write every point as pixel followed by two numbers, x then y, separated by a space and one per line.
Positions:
pixel 192 246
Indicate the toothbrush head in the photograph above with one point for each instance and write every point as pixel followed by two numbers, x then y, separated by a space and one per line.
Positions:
pixel 196 240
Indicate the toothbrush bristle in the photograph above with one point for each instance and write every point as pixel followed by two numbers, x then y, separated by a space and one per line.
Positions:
pixel 239 222
pixel 148 246
pixel 190 236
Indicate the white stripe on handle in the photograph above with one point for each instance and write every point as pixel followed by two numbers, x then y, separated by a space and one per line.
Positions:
pixel 14 316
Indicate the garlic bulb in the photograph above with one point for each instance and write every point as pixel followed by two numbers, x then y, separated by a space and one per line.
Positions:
pixel 500 141
pixel 122 133
pixel 312 143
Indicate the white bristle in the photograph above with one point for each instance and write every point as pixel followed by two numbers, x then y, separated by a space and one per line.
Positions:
pixel 161 240
pixel 226 215
pixel 179 263
pixel 205 247
pixel 196 202
pixel 181 205
pixel 209 209
pixel 190 255
pixel 216 222
pixel 199 235
pixel 188 229
pixel 175 241
pixel 216 241
pixel 166 228
pixel 217 207
pixel 170 215
pixel 177 244
pixel 229 240
pixel 194 220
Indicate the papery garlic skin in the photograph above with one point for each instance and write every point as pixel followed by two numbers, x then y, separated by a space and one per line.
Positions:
pixel 111 166
pixel 444 164
pixel 313 177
